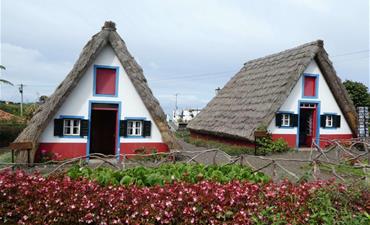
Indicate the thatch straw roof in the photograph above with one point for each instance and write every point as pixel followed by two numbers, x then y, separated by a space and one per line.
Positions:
pixel 251 98
pixel 107 36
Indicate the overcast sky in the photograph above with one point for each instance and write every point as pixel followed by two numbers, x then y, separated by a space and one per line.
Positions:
pixel 188 47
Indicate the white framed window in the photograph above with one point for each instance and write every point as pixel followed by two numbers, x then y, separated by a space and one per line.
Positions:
pixel 285 120
pixel 71 127
pixel 329 121
pixel 134 128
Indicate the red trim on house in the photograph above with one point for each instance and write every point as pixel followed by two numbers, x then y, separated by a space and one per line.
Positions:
pixel 343 137
pixel 72 150
pixel 129 148
pixel 314 126
pixel 105 81
pixel 221 139
pixel 309 86
pixel 106 109
pixel 289 138
pixel 62 150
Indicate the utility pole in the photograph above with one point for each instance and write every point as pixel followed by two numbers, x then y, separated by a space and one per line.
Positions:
pixel 176 101
pixel 21 91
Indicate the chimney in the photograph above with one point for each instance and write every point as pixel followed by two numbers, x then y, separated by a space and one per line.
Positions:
pixel 109 25
pixel 217 90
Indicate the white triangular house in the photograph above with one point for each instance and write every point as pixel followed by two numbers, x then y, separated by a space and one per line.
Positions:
pixel 104 105
pixel 295 94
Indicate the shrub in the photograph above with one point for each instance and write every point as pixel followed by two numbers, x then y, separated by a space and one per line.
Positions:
pixel 266 145
pixel 167 173
pixel 9 132
pixel 6 157
pixel 32 199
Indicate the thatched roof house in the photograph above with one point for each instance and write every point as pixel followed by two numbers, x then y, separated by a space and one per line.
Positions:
pixel 272 84
pixel 104 65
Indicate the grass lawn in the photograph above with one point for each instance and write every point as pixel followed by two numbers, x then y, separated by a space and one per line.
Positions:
pixel 5 157
pixel 346 170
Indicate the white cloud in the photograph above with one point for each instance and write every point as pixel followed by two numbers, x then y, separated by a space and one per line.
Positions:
pixel 30 67
pixel 178 37
pixel 315 5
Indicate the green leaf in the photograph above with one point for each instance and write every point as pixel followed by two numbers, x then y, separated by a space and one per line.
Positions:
pixel 126 180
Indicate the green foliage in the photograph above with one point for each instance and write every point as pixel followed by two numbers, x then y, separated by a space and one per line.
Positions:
pixel 358 92
pixel 183 134
pixel 14 108
pixel 6 157
pixel 345 169
pixel 30 110
pixel 328 206
pixel 266 145
pixel 167 173
pixel 5 81
pixel 9 131
pixel 262 127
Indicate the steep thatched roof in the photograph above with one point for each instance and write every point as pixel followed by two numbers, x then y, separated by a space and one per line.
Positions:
pixel 107 36
pixel 259 89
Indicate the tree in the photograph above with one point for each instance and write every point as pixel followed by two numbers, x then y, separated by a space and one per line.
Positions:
pixel 42 99
pixel 358 92
pixel 5 81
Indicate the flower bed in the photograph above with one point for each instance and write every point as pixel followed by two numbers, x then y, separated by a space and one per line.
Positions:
pixel 168 173
pixel 33 199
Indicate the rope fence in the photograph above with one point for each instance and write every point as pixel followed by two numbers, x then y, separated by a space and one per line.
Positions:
pixel 336 154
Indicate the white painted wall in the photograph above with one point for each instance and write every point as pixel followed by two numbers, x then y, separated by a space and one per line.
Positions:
pixel 77 103
pixel 326 98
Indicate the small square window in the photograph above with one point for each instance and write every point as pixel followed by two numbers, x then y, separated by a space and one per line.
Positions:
pixel 329 121
pixel 134 128
pixel 71 127
pixel 309 86
pixel 285 120
pixel 105 81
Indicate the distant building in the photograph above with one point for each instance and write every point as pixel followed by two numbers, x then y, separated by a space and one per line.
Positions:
pixel 294 94
pixel 181 118
pixel 185 115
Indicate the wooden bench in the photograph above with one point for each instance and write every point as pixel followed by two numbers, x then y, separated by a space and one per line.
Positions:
pixel 22 146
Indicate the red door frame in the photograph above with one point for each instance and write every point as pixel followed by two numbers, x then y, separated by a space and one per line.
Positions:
pixel 315 118
pixel 118 112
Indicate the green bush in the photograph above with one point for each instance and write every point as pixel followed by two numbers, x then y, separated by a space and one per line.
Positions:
pixel 266 145
pixel 6 157
pixel 184 134
pixel 14 108
pixel 9 132
pixel 168 173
